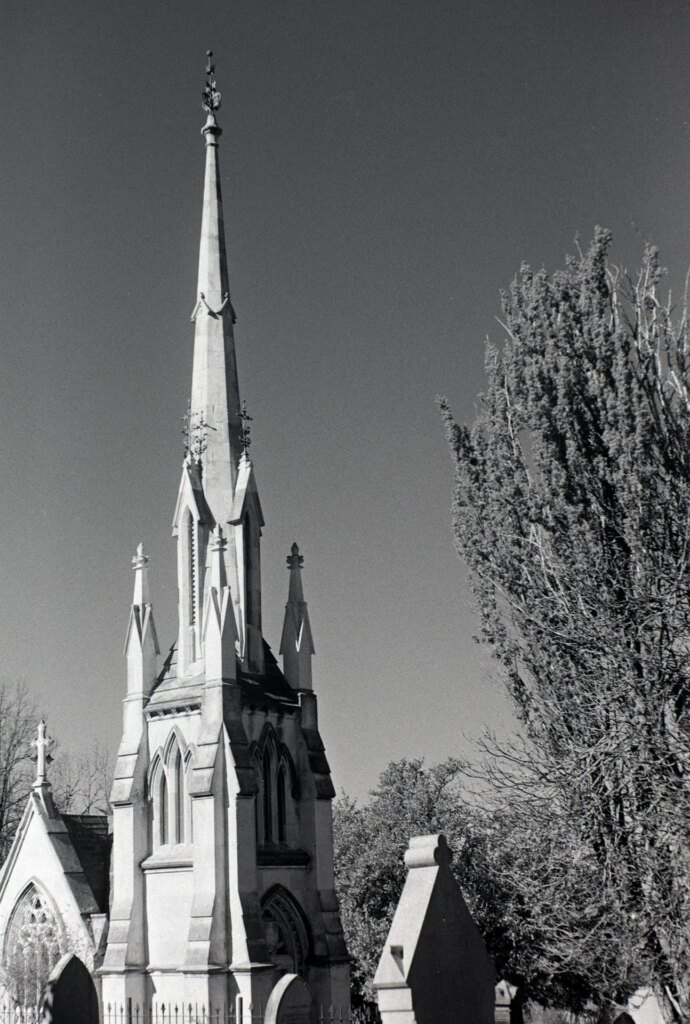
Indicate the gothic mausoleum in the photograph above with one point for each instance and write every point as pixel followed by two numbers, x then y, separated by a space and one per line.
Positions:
pixel 215 881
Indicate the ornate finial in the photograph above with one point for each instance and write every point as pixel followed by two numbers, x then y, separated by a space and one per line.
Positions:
pixel 245 429
pixel 218 541
pixel 210 97
pixel 428 852
pixel 195 431
pixel 141 559
pixel 43 744
pixel 295 560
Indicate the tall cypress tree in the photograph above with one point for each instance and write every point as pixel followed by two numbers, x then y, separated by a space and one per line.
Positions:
pixel 572 512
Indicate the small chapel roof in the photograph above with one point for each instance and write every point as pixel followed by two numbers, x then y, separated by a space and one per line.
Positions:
pixel 78 845
pixel 92 840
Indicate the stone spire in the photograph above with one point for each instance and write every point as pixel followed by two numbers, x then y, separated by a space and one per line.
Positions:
pixel 220 628
pixel 141 643
pixel 218 488
pixel 140 565
pixel 296 645
pixel 215 399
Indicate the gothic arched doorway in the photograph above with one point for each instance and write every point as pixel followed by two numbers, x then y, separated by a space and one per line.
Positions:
pixel 70 994
pixel 286 931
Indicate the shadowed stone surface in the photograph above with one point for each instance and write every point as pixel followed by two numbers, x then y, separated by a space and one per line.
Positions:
pixel 70 995
pixel 290 1002
pixel 434 968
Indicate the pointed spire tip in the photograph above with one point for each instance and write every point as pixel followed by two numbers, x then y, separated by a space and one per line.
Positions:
pixel 295 560
pixel 141 559
pixel 210 97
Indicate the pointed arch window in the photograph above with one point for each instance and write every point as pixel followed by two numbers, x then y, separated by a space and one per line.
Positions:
pixel 179 797
pixel 258 805
pixel 33 946
pixel 286 931
pixel 163 813
pixel 192 568
pixel 280 801
pixel 276 810
pixel 267 774
pixel 190 581
pixel 189 819
pixel 251 539
pixel 191 547
pixel 248 566
pixel 172 818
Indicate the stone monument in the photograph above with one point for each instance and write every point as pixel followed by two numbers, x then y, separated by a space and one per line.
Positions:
pixel 434 968
pixel 508 1004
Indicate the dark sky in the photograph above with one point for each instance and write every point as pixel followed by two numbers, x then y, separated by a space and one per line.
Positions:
pixel 387 166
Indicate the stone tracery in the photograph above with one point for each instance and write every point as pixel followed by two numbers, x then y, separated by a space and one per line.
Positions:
pixel 170 795
pixel 33 945
pixel 286 931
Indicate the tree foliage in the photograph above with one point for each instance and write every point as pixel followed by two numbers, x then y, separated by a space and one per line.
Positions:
pixel 370 843
pixel 572 511
pixel 490 844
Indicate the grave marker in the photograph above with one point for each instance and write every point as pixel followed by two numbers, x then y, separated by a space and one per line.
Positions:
pixel 434 968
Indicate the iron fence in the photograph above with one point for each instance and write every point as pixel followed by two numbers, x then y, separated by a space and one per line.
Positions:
pixel 179 1013
pixel 194 1013
pixel 10 1013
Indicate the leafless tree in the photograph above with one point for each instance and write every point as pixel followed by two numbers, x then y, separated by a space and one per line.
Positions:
pixel 18 720
pixel 81 782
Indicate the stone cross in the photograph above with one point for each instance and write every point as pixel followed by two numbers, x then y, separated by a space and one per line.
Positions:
pixel 141 559
pixel 295 560
pixel 43 744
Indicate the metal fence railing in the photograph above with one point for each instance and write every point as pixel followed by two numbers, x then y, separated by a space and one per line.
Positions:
pixel 195 1013
pixel 178 1013
pixel 10 1013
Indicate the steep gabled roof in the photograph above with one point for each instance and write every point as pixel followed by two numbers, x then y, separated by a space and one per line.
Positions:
pixel 67 855
pixel 92 842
